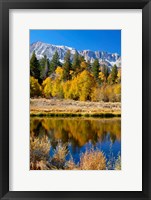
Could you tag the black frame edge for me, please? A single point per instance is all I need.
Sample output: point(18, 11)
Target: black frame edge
point(145, 99)
point(149, 110)
point(75, 4)
point(1, 99)
point(4, 100)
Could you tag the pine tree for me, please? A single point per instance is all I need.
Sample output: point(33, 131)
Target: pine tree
point(114, 73)
point(95, 68)
point(35, 67)
point(81, 58)
point(67, 66)
point(54, 63)
point(105, 71)
point(119, 76)
point(76, 61)
point(44, 65)
point(89, 66)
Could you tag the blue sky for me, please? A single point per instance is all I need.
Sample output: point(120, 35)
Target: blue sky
point(105, 40)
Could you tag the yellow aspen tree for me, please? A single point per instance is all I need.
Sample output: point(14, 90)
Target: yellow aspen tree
point(35, 88)
point(47, 87)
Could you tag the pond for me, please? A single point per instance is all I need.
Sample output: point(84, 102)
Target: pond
point(80, 134)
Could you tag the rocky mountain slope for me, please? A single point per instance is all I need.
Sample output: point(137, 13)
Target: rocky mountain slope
point(106, 58)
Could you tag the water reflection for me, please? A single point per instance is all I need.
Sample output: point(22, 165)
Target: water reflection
point(80, 133)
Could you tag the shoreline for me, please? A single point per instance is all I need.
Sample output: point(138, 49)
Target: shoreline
point(70, 108)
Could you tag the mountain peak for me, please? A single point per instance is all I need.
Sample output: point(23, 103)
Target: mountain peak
point(42, 49)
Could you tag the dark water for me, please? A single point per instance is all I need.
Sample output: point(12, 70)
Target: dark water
point(80, 134)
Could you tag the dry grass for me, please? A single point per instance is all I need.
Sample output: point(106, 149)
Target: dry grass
point(59, 158)
point(42, 144)
point(118, 163)
point(55, 106)
point(70, 165)
point(39, 153)
point(40, 158)
point(39, 165)
point(60, 152)
point(93, 160)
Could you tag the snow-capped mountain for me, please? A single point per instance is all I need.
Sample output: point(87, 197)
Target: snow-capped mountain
point(42, 49)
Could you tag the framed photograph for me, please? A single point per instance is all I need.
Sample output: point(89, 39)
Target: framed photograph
point(75, 99)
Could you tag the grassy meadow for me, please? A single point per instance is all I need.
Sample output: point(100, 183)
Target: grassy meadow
point(60, 107)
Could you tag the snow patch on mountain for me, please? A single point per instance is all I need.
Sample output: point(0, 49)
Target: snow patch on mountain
point(105, 58)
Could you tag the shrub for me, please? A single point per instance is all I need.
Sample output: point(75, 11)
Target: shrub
point(39, 153)
point(117, 92)
point(70, 165)
point(92, 160)
point(39, 165)
point(107, 93)
point(59, 157)
point(118, 163)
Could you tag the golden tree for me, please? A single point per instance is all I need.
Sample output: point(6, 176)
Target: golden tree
point(35, 88)
point(47, 87)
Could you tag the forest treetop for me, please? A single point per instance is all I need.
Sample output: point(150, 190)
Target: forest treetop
point(76, 79)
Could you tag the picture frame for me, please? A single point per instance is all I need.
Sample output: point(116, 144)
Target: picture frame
point(5, 101)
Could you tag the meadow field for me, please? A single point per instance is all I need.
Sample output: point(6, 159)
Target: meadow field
point(61, 107)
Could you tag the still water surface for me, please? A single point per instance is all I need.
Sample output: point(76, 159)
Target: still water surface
point(80, 134)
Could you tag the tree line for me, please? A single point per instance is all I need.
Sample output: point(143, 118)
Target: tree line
point(77, 79)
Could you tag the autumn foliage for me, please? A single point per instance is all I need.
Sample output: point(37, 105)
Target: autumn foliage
point(35, 88)
point(77, 80)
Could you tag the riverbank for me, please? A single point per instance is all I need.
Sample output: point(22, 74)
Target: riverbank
point(59, 107)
